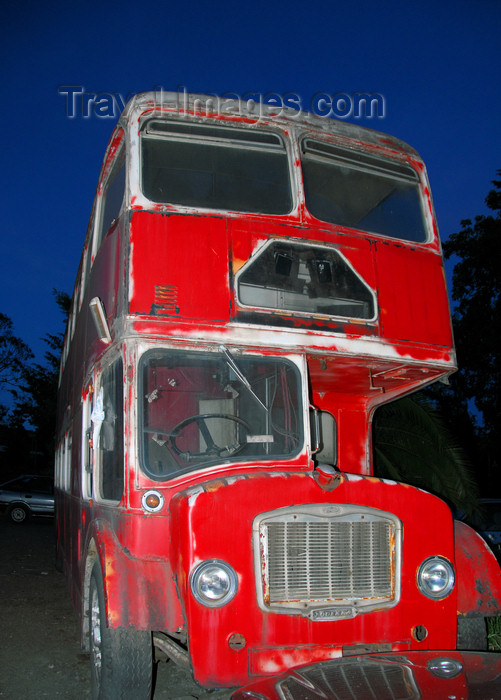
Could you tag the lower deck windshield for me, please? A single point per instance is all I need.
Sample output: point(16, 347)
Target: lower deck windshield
point(202, 409)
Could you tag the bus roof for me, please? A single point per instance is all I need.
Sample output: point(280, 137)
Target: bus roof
point(258, 113)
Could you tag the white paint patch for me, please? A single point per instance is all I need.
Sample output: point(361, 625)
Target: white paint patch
point(290, 338)
point(230, 480)
point(272, 667)
point(353, 477)
point(194, 493)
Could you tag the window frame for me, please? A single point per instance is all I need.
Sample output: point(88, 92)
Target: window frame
point(361, 161)
point(201, 354)
point(99, 467)
point(305, 314)
point(115, 164)
point(283, 148)
point(87, 454)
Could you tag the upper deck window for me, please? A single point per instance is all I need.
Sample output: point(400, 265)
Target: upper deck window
point(112, 198)
point(360, 191)
point(214, 167)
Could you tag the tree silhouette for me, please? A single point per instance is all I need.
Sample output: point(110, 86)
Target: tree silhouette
point(14, 354)
point(476, 291)
point(413, 445)
point(14, 357)
point(439, 438)
point(36, 395)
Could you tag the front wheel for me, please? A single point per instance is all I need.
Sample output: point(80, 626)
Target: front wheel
point(121, 659)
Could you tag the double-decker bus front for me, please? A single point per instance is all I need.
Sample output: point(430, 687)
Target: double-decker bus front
point(250, 292)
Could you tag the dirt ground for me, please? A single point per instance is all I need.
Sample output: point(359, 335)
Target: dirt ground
point(40, 655)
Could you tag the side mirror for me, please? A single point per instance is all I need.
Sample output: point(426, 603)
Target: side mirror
point(316, 435)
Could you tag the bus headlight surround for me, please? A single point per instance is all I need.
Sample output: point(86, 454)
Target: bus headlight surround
point(436, 578)
point(213, 583)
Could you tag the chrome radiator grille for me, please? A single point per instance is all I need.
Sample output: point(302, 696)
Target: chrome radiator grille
point(317, 556)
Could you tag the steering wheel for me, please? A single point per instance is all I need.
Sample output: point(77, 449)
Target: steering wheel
point(212, 449)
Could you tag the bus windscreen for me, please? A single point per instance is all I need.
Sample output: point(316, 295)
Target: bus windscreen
point(199, 409)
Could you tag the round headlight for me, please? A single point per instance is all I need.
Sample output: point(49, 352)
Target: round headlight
point(214, 583)
point(436, 577)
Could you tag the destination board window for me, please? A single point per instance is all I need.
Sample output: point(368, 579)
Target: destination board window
point(305, 279)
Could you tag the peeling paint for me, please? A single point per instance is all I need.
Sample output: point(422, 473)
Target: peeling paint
point(194, 494)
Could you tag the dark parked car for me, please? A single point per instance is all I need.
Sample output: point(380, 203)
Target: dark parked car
point(27, 495)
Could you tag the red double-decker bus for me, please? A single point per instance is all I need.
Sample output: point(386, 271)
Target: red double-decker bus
point(250, 291)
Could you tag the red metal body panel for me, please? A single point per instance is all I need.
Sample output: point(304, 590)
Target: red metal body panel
point(416, 278)
point(195, 273)
point(223, 532)
point(135, 561)
point(212, 245)
point(480, 567)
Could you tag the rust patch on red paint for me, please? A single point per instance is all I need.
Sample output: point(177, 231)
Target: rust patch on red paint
point(214, 486)
point(327, 482)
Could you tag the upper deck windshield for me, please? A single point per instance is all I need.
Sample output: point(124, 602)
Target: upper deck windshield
point(214, 167)
point(198, 410)
point(360, 191)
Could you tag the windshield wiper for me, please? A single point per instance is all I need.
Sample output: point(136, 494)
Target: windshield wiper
point(231, 362)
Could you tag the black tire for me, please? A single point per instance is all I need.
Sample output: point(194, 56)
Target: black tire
point(18, 513)
point(472, 634)
point(121, 659)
